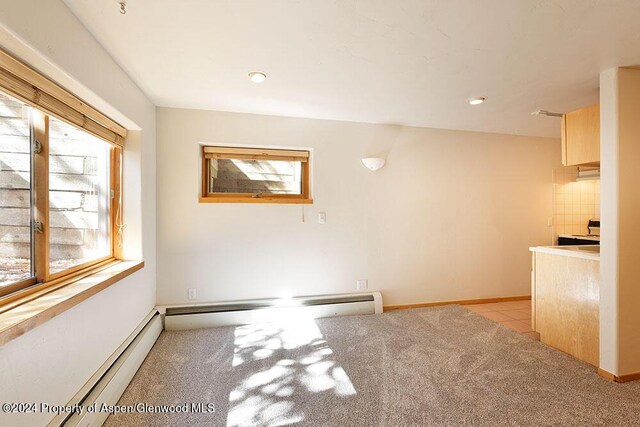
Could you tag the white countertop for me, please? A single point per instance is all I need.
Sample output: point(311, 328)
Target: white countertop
point(582, 251)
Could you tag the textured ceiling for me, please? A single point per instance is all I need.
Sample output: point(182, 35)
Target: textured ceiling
point(411, 62)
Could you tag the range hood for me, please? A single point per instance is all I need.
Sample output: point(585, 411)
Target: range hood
point(588, 174)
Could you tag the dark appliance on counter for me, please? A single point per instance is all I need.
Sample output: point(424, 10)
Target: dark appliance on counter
point(593, 238)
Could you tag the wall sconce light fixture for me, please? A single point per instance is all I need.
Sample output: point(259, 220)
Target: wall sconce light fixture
point(373, 163)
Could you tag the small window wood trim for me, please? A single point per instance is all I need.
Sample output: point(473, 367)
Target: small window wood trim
point(301, 156)
point(255, 154)
point(31, 87)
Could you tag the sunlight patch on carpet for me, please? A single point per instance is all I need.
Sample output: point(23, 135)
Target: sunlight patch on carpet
point(264, 397)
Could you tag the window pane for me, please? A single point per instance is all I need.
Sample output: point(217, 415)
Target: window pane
point(15, 191)
point(255, 176)
point(79, 196)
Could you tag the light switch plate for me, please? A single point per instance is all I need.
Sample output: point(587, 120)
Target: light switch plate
point(322, 218)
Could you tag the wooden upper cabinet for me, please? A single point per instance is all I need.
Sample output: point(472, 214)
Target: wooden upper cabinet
point(581, 137)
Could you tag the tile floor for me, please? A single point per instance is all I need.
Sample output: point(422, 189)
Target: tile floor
point(513, 314)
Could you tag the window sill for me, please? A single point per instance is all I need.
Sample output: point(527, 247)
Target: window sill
point(30, 312)
point(274, 200)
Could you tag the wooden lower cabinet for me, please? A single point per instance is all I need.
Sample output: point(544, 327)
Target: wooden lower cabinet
point(565, 304)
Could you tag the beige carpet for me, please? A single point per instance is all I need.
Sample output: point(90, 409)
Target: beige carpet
point(437, 366)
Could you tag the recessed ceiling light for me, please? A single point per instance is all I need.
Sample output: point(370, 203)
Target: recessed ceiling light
point(257, 76)
point(476, 100)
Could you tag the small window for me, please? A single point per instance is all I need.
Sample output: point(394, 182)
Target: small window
point(252, 175)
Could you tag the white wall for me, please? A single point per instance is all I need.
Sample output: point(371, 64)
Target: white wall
point(609, 213)
point(620, 270)
point(50, 363)
point(628, 227)
point(450, 217)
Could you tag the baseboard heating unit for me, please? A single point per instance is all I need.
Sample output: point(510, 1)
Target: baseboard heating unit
point(232, 313)
point(112, 378)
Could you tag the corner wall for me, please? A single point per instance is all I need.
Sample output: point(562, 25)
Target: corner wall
point(620, 270)
point(451, 216)
point(50, 363)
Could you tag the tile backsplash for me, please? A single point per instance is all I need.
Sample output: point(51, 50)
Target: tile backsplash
point(574, 203)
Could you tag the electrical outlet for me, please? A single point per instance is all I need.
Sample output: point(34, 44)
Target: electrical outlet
point(322, 218)
point(362, 284)
point(191, 294)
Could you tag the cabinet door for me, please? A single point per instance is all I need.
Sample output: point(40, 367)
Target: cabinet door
point(581, 136)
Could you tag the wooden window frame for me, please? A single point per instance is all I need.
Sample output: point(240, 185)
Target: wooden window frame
point(40, 202)
point(47, 99)
point(214, 152)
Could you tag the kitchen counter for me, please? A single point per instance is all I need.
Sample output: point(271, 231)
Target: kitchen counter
point(591, 252)
point(565, 299)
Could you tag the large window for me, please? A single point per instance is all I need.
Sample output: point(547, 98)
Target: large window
point(251, 175)
point(56, 197)
point(60, 174)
